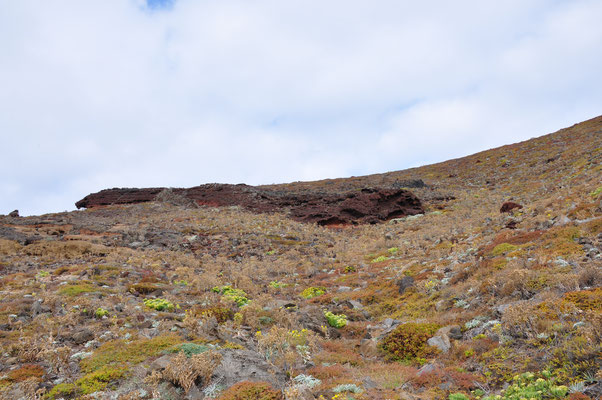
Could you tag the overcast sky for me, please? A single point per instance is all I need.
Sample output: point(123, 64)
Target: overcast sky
point(130, 93)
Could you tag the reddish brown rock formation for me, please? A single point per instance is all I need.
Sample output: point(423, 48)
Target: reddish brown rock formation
point(362, 206)
point(509, 206)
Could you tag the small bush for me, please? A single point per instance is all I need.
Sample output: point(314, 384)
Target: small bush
point(143, 288)
point(77, 289)
point(237, 296)
point(190, 349)
point(184, 371)
point(586, 299)
point(61, 390)
point(26, 372)
point(118, 352)
point(458, 396)
point(408, 341)
point(220, 312)
point(379, 259)
point(251, 391)
point(101, 312)
point(312, 292)
point(159, 304)
point(531, 386)
point(596, 192)
point(100, 379)
point(334, 320)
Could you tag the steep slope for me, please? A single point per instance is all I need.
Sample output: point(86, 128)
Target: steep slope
point(168, 300)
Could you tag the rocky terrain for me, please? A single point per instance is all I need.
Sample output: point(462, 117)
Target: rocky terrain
point(469, 279)
point(367, 205)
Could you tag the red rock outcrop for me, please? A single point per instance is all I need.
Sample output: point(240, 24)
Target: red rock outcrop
point(361, 206)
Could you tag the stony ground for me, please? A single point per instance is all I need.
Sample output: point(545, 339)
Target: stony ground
point(166, 300)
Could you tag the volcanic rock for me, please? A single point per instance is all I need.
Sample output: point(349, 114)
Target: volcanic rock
point(509, 206)
point(363, 206)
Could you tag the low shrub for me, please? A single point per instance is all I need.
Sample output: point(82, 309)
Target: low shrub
point(119, 352)
point(100, 312)
point(159, 304)
point(312, 292)
point(77, 289)
point(99, 379)
point(408, 341)
point(251, 391)
point(237, 296)
point(533, 387)
point(334, 320)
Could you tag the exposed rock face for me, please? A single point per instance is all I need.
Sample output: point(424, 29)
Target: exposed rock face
point(363, 206)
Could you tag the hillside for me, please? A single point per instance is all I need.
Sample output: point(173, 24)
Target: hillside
point(169, 299)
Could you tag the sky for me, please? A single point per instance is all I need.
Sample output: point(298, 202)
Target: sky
point(130, 93)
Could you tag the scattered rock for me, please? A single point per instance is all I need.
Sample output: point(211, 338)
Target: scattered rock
point(441, 342)
point(245, 365)
point(451, 331)
point(405, 283)
point(409, 183)
point(427, 368)
point(82, 336)
point(509, 206)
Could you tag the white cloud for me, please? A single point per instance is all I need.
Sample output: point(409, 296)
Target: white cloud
point(109, 93)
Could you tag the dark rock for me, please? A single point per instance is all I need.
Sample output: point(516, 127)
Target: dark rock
point(244, 365)
point(82, 336)
point(14, 213)
point(364, 206)
point(509, 206)
point(405, 283)
point(455, 332)
point(441, 342)
point(312, 318)
point(409, 183)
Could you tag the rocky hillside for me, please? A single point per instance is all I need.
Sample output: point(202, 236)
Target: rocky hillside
point(488, 284)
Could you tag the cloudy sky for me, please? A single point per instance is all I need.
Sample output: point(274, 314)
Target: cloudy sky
point(130, 93)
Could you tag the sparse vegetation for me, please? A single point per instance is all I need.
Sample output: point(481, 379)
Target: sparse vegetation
point(151, 300)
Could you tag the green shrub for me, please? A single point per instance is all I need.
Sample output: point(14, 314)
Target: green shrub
point(408, 341)
point(77, 289)
point(220, 312)
point(189, 349)
point(62, 390)
point(312, 292)
point(159, 304)
point(457, 396)
point(334, 320)
point(237, 296)
point(101, 312)
point(532, 386)
point(100, 379)
point(119, 353)
point(596, 192)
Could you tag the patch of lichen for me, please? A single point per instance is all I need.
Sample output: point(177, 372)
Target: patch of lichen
point(120, 352)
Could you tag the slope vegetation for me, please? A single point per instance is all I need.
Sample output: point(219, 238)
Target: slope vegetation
point(171, 300)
